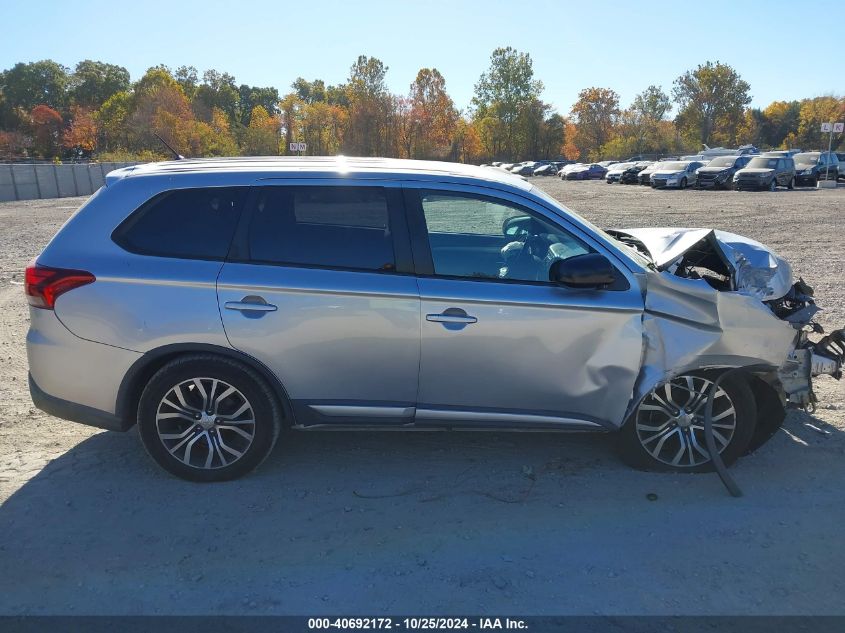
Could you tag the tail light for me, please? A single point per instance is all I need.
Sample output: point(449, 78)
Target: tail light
point(44, 284)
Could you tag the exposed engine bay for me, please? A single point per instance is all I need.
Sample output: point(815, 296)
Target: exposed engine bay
point(731, 263)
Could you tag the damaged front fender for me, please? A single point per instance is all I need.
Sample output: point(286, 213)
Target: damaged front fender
point(688, 326)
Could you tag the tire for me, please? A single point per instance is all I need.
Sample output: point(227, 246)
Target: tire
point(683, 184)
point(773, 185)
point(235, 445)
point(638, 432)
point(791, 184)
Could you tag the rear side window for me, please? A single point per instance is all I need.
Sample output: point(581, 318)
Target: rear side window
point(332, 227)
point(184, 223)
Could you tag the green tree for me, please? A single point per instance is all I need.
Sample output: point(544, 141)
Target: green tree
point(25, 86)
point(112, 122)
point(711, 101)
point(501, 93)
point(251, 96)
point(217, 90)
point(94, 82)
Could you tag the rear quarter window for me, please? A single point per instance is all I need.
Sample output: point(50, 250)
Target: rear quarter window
point(195, 223)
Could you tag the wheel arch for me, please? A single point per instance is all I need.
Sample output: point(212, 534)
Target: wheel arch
point(139, 374)
point(766, 397)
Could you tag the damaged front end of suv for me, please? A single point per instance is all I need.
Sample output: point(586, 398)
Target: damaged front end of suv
point(727, 300)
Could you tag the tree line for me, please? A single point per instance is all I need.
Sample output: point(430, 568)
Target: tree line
point(51, 112)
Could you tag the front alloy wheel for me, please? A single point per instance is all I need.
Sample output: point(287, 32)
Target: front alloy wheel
point(666, 431)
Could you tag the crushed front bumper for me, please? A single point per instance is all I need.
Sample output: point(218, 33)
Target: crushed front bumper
point(808, 360)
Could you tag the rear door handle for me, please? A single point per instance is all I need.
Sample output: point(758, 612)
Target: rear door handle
point(451, 315)
point(250, 304)
point(450, 318)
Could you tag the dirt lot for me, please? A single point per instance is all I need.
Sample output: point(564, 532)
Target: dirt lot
point(434, 523)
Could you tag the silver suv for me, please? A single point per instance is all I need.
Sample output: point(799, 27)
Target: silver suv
point(216, 303)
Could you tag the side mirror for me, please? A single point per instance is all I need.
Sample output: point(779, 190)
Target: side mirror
point(591, 270)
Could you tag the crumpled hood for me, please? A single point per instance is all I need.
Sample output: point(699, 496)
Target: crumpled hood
point(756, 270)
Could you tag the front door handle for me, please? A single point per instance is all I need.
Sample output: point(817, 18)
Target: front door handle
point(451, 315)
point(250, 304)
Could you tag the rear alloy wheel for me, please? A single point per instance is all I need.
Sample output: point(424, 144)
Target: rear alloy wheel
point(791, 185)
point(683, 184)
point(666, 432)
point(773, 185)
point(208, 418)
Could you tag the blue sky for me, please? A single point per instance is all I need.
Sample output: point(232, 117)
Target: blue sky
point(620, 45)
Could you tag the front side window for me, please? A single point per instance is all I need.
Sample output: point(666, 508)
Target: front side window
point(333, 227)
point(477, 237)
point(184, 223)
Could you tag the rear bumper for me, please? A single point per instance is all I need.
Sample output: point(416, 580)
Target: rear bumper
point(74, 378)
point(76, 412)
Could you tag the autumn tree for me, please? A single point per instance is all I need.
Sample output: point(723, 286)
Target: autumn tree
point(711, 102)
point(92, 83)
point(159, 106)
point(501, 94)
point(777, 120)
point(46, 126)
point(261, 137)
point(595, 114)
point(322, 126)
point(81, 134)
point(432, 115)
point(369, 132)
point(813, 113)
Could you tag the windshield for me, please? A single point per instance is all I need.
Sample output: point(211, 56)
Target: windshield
point(724, 161)
point(630, 251)
point(621, 166)
point(672, 166)
point(763, 163)
point(806, 159)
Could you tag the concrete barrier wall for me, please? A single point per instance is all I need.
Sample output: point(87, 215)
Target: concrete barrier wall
point(25, 181)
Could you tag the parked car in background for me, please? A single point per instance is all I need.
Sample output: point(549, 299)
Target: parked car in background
point(593, 171)
point(631, 175)
point(615, 171)
point(567, 168)
point(719, 172)
point(547, 169)
point(768, 171)
point(644, 177)
point(524, 169)
point(678, 174)
point(786, 153)
point(506, 166)
point(841, 157)
point(607, 163)
point(810, 167)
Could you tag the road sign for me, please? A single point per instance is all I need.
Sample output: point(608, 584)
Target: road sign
point(826, 127)
point(298, 147)
point(838, 128)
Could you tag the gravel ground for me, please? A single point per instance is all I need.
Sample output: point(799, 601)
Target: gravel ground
point(432, 523)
